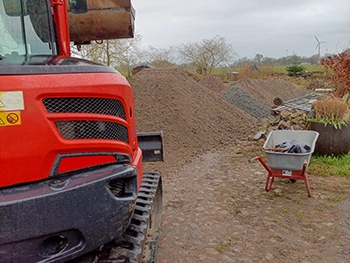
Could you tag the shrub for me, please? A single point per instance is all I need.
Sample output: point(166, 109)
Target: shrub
point(340, 65)
point(331, 110)
point(295, 70)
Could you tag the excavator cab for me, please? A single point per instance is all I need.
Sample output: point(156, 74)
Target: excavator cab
point(27, 28)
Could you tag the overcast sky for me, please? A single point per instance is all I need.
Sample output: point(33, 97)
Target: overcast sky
point(273, 28)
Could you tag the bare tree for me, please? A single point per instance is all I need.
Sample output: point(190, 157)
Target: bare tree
point(118, 53)
point(160, 58)
point(207, 54)
point(258, 59)
point(128, 53)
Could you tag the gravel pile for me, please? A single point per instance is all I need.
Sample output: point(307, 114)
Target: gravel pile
point(266, 90)
point(243, 100)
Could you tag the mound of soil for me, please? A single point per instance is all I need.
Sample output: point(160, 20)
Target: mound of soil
point(213, 84)
point(194, 119)
point(266, 90)
point(243, 100)
point(196, 76)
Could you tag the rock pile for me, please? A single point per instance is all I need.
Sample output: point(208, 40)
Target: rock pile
point(256, 96)
point(245, 101)
point(289, 119)
point(266, 90)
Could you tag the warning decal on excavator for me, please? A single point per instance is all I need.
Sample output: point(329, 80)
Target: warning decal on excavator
point(10, 118)
point(11, 101)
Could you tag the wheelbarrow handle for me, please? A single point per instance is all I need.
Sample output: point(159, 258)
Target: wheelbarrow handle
point(258, 158)
point(275, 149)
point(251, 160)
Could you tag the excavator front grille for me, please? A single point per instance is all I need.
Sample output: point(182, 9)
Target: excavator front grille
point(92, 130)
point(85, 105)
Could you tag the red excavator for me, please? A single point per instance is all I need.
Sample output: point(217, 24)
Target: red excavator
point(72, 184)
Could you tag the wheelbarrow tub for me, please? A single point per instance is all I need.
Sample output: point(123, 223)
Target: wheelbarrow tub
point(289, 161)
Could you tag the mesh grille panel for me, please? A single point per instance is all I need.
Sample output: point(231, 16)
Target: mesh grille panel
point(117, 187)
point(85, 105)
point(92, 130)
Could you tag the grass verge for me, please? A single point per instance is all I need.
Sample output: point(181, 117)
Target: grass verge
point(330, 165)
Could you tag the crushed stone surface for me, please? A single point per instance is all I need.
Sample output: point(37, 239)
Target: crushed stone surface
point(243, 100)
point(266, 90)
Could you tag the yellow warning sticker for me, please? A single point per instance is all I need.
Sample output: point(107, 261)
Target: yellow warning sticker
point(11, 101)
point(10, 118)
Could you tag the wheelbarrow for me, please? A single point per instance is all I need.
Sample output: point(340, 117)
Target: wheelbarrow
point(282, 164)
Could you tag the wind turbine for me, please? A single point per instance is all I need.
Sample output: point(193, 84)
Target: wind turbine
point(319, 48)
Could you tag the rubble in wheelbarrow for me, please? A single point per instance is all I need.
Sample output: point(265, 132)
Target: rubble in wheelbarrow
point(293, 147)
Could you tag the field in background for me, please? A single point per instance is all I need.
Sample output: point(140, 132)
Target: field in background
point(265, 72)
point(315, 76)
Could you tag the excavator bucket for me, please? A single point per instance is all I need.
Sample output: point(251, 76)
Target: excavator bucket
point(104, 19)
point(151, 144)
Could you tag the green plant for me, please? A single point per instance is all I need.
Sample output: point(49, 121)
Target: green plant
point(295, 70)
point(330, 110)
point(336, 124)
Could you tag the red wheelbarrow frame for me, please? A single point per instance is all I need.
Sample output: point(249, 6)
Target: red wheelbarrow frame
point(296, 175)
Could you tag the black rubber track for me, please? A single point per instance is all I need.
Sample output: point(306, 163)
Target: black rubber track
point(139, 243)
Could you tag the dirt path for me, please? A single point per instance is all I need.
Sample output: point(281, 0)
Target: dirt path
point(216, 210)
